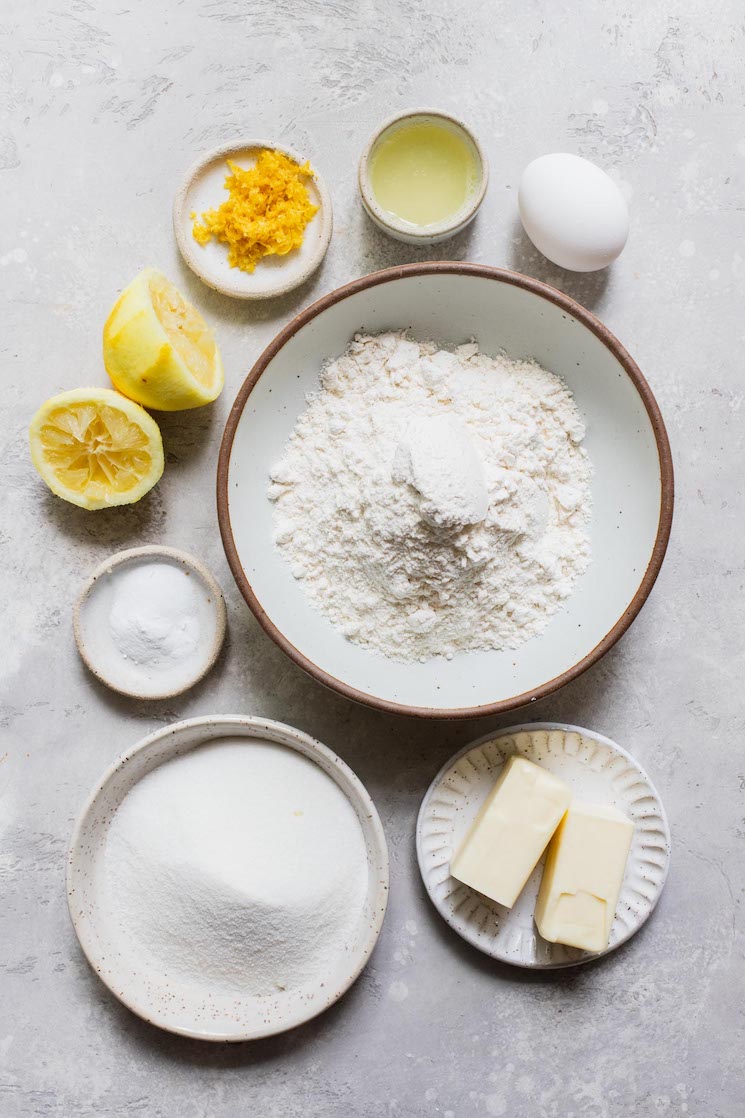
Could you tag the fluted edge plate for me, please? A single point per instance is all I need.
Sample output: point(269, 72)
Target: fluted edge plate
point(598, 770)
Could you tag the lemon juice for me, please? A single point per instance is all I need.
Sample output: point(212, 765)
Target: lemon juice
point(423, 172)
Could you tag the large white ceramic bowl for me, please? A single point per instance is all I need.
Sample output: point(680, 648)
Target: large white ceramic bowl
point(626, 439)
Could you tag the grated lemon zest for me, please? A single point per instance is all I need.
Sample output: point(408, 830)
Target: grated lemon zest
point(265, 214)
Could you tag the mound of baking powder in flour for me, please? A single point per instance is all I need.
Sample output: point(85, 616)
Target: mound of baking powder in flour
point(239, 868)
point(433, 501)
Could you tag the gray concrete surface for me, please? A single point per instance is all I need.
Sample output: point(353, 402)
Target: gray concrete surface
point(103, 107)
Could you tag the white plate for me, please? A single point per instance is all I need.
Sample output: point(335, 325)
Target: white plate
point(632, 487)
point(203, 189)
point(182, 1009)
point(598, 770)
point(98, 650)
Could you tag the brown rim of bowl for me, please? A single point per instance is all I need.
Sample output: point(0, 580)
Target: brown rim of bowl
point(559, 299)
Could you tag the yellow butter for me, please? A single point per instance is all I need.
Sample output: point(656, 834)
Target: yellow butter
point(583, 875)
point(511, 831)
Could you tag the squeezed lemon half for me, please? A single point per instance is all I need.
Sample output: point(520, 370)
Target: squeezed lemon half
point(96, 448)
point(157, 348)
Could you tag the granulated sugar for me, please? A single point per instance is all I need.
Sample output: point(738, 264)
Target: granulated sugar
point(432, 502)
point(239, 868)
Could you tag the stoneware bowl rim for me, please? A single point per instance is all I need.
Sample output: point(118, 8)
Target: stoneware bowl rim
point(388, 221)
point(564, 303)
point(156, 551)
point(330, 763)
point(190, 250)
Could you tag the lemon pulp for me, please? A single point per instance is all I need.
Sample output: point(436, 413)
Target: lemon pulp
point(95, 448)
point(186, 329)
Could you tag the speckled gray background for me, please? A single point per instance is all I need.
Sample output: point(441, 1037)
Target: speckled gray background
point(103, 106)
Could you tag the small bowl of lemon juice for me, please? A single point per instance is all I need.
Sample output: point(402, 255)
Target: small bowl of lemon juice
point(423, 176)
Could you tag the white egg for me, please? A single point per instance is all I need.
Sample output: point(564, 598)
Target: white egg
point(573, 212)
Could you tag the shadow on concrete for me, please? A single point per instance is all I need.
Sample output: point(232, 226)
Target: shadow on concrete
point(588, 288)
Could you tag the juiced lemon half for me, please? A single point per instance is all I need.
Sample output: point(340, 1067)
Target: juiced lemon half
point(96, 448)
point(157, 348)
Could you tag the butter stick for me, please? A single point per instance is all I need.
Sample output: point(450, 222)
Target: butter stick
point(511, 831)
point(583, 875)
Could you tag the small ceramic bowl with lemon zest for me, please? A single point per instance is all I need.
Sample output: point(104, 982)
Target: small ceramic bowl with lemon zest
point(203, 193)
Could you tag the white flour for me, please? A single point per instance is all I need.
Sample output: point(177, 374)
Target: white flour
point(434, 502)
point(237, 868)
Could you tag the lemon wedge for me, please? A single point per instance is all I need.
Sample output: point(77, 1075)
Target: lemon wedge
point(96, 448)
point(157, 348)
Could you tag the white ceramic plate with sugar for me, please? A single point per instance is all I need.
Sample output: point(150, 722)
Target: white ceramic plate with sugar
point(203, 189)
point(632, 484)
point(597, 770)
point(184, 1007)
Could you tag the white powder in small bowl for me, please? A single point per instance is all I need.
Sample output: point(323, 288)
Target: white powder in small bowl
point(150, 623)
point(155, 614)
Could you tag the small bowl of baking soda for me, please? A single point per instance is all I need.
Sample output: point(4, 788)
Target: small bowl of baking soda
point(150, 622)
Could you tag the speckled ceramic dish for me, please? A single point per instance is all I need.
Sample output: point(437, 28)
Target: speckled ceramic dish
point(185, 1009)
point(203, 189)
point(405, 230)
point(632, 485)
point(94, 638)
point(597, 770)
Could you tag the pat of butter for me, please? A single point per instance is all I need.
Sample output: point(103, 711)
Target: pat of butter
point(583, 875)
point(511, 831)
